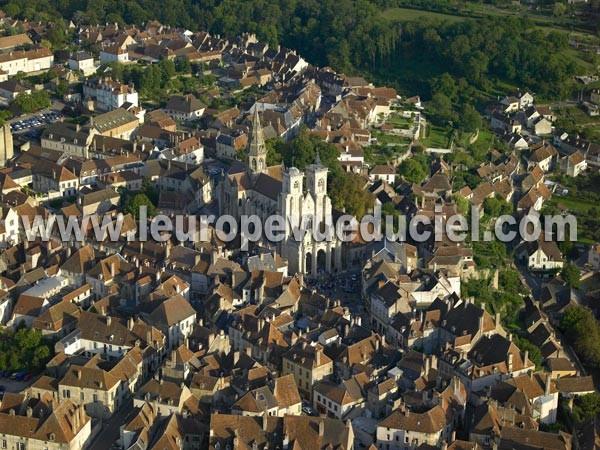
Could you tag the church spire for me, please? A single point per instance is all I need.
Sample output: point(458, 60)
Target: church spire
point(317, 158)
point(257, 138)
point(256, 157)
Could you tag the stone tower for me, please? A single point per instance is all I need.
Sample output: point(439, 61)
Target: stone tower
point(256, 158)
point(6, 144)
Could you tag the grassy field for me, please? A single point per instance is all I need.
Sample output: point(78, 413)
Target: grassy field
point(579, 208)
point(574, 204)
point(437, 137)
point(577, 116)
point(403, 14)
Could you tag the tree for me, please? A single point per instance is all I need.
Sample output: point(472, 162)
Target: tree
point(61, 88)
point(412, 171)
point(469, 119)
point(586, 407)
point(582, 331)
point(12, 10)
point(497, 207)
point(559, 9)
point(441, 108)
point(535, 354)
point(23, 349)
point(27, 103)
point(139, 200)
point(183, 65)
point(347, 193)
point(57, 35)
point(462, 204)
point(571, 275)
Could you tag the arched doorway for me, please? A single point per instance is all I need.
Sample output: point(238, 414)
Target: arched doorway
point(308, 263)
point(321, 260)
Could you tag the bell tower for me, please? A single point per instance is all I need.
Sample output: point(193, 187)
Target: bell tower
point(256, 158)
point(316, 185)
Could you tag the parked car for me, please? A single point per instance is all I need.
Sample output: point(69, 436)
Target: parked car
point(308, 410)
point(18, 376)
point(28, 377)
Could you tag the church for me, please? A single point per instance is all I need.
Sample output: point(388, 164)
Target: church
point(255, 188)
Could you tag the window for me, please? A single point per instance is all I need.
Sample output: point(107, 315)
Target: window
point(3, 443)
point(21, 446)
point(95, 398)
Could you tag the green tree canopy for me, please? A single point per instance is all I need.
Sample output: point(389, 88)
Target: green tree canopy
point(571, 275)
point(582, 330)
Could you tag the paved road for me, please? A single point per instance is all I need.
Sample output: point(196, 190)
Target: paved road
point(534, 283)
point(14, 385)
point(111, 428)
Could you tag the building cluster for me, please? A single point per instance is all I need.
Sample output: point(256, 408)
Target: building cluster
point(305, 344)
point(522, 124)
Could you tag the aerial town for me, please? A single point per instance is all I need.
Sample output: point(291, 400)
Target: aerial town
point(206, 343)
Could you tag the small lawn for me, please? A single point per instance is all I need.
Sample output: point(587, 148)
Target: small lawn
point(399, 122)
point(437, 137)
point(390, 139)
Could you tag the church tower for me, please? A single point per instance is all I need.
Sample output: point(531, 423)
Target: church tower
point(291, 195)
point(256, 159)
point(316, 185)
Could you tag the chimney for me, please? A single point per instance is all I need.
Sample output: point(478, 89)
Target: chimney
point(547, 387)
point(321, 427)
point(108, 320)
point(509, 362)
point(78, 372)
point(130, 323)
point(29, 411)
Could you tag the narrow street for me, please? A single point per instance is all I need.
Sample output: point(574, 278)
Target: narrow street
point(111, 428)
point(534, 283)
